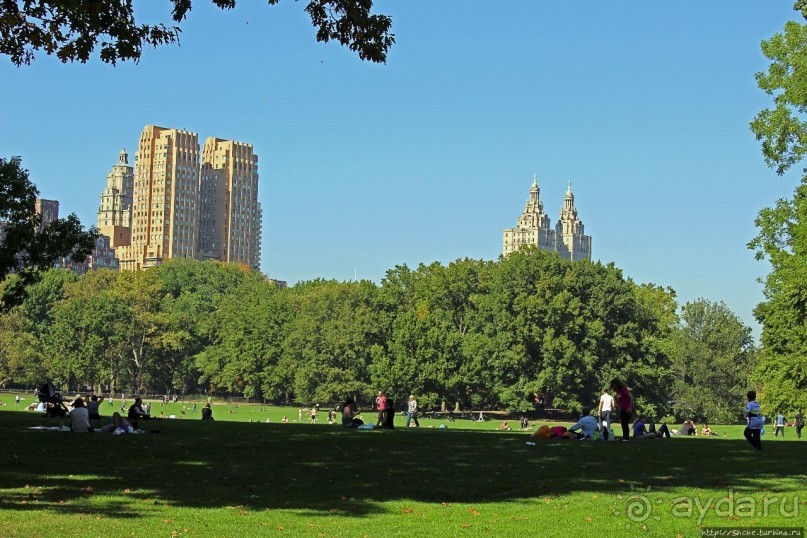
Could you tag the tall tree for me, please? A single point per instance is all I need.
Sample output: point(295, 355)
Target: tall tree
point(246, 355)
point(20, 351)
point(26, 247)
point(193, 291)
point(782, 237)
point(713, 363)
point(73, 30)
point(86, 336)
point(332, 339)
point(142, 326)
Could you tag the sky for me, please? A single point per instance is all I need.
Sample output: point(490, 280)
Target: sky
point(643, 106)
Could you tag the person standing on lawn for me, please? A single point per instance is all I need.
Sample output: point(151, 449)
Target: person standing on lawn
point(626, 405)
point(799, 423)
point(381, 407)
point(779, 425)
point(604, 411)
point(753, 415)
point(412, 411)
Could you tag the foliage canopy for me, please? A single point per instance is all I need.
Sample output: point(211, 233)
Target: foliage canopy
point(74, 30)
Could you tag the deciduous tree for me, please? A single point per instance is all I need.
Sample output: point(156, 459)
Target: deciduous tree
point(26, 247)
point(782, 237)
point(713, 363)
point(74, 30)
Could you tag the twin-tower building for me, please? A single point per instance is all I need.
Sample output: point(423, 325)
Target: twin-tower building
point(178, 202)
point(567, 238)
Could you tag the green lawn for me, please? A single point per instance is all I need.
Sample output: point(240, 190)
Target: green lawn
point(233, 478)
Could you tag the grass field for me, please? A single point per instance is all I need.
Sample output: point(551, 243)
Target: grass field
point(234, 478)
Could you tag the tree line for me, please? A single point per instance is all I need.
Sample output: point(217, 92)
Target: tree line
point(481, 334)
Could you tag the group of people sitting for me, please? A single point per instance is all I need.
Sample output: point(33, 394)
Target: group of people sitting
point(82, 413)
point(688, 428)
point(588, 427)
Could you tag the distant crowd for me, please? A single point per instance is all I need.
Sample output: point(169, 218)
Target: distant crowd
point(615, 404)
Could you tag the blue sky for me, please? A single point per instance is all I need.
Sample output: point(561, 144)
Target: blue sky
point(643, 106)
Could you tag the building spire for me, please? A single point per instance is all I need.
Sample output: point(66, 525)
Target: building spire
point(123, 157)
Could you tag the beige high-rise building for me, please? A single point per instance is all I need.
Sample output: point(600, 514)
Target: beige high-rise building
point(567, 239)
point(229, 212)
point(115, 211)
point(164, 198)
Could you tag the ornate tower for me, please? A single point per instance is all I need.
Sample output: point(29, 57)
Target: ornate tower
point(115, 211)
point(571, 241)
point(533, 227)
point(567, 239)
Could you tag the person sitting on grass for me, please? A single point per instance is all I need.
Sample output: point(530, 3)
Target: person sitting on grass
point(389, 416)
point(706, 431)
point(688, 428)
point(136, 413)
point(586, 425)
point(644, 429)
point(80, 418)
point(207, 412)
point(118, 423)
point(349, 412)
point(504, 426)
point(284, 420)
point(92, 407)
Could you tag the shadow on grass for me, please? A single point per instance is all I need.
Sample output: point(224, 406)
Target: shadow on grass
point(326, 470)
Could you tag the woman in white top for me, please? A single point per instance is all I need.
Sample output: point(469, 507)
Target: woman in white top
point(80, 418)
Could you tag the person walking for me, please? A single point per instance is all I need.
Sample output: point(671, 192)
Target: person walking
point(779, 425)
point(604, 411)
point(799, 423)
point(753, 415)
point(17, 400)
point(626, 405)
point(412, 411)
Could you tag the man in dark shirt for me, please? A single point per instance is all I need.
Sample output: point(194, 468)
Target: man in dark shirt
point(136, 412)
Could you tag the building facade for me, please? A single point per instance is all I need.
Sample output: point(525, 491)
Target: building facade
point(567, 239)
point(48, 210)
point(164, 198)
point(229, 212)
point(115, 211)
